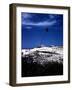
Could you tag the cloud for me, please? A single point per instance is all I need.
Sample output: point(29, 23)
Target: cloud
point(28, 27)
point(29, 19)
point(26, 16)
point(52, 16)
point(44, 23)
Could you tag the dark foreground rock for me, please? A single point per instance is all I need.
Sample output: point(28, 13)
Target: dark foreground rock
point(42, 65)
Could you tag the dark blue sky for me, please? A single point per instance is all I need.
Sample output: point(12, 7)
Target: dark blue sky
point(45, 29)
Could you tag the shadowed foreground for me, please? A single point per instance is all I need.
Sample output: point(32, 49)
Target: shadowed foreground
point(30, 68)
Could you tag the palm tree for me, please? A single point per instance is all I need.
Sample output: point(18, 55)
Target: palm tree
point(44, 34)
